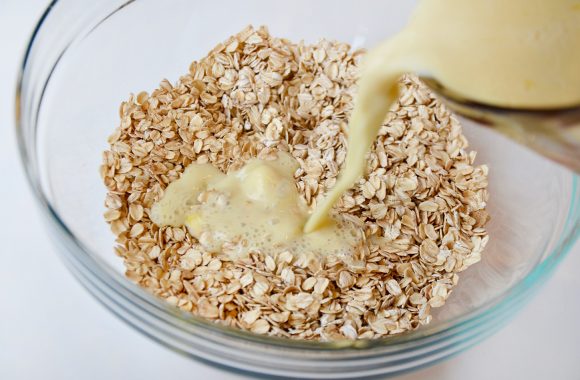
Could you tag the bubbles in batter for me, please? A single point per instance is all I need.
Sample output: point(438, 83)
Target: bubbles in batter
point(257, 208)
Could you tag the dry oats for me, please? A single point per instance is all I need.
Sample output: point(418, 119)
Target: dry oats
point(421, 204)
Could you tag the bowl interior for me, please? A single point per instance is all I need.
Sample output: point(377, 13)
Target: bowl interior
point(146, 41)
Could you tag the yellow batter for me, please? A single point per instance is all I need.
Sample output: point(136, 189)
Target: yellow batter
point(510, 53)
point(257, 208)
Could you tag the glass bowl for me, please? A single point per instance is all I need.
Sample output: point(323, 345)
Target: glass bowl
point(86, 57)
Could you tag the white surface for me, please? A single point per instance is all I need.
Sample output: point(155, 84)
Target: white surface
point(50, 327)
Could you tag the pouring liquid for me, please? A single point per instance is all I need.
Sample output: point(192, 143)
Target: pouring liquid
point(517, 54)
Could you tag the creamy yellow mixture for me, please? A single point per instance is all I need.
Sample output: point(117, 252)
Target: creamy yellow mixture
point(255, 208)
point(511, 53)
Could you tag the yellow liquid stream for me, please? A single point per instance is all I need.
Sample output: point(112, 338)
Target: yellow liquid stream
point(509, 53)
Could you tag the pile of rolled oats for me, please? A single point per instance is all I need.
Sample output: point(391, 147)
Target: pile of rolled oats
point(421, 203)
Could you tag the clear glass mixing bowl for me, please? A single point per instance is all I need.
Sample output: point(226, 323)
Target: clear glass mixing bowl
point(86, 57)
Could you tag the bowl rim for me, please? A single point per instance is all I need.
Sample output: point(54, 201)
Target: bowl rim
point(118, 283)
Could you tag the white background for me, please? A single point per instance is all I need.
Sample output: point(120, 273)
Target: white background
point(51, 328)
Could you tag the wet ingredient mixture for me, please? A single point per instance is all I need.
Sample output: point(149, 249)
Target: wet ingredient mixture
point(254, 209)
